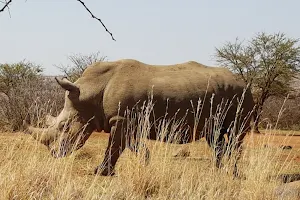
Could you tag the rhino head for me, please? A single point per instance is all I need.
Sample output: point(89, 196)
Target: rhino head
point(71, 128)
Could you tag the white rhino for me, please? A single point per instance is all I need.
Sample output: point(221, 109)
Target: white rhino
point(100, 97)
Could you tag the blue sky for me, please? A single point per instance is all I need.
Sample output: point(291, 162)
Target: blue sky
point(155, 32)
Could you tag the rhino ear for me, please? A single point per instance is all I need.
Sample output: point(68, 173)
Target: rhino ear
point(67, 85)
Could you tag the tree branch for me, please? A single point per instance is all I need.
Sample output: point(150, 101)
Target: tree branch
point(93, 16)
point(5, 5)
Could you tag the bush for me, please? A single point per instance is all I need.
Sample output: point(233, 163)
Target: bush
point(22, 90)
point(290, 117)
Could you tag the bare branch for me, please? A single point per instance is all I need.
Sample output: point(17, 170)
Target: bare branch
point(5, 5)
point(93, 16)
point(8, 11)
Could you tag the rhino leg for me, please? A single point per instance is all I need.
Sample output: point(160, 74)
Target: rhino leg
point(116, 146)
point(238, 148)
point(235, 141)
point(217, 143)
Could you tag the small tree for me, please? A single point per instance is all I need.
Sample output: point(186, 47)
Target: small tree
point(79, 64)
point(13, 75)
point(268, 63)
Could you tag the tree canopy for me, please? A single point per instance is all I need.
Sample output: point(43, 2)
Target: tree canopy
point(268, 63)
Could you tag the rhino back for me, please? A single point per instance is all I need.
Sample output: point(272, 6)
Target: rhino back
point(133, 81)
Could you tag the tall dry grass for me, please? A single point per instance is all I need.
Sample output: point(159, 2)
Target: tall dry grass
point(27, 171)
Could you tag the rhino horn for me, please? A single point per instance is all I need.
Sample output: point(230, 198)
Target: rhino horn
point(66, 84)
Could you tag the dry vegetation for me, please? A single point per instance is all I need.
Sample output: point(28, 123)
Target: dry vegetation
point(290, 119)
point(27, 171)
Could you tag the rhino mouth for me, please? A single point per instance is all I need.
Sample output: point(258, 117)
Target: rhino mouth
point(65, 147)
point(63, 150)
point(59, 143)
point(59, 154)
point(45, 135)
point(48, 137)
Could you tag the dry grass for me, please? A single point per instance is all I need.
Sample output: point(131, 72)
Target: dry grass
point(282, 132)
point(27, 171)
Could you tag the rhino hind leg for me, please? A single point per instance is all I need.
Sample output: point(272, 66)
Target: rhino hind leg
point(235, 141)
point(217, 143)
point(116, 146)
point(238, 148)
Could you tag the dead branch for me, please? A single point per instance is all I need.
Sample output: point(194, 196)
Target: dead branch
point(5, 5)
point(93, 16)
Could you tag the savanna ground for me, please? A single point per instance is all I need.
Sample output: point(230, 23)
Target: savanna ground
point(27, 171)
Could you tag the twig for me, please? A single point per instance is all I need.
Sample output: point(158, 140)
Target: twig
point(6, 5)
point(8, 10)
point(93, 16)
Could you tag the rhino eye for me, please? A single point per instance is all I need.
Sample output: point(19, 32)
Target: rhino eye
point(61, 125)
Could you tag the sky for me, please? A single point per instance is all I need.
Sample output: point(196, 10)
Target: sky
point(46, 32)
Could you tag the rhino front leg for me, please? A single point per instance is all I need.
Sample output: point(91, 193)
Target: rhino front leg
point(217, 143)
point(238, 148)
point(116, 146)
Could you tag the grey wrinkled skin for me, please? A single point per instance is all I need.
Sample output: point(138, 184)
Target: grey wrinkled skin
point(100, 97)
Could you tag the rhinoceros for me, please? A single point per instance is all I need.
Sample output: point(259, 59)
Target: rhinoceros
point(100, 98)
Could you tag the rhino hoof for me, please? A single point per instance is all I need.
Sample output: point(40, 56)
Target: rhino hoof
point(285, 147)
point(104, 171)
point(183, 153)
